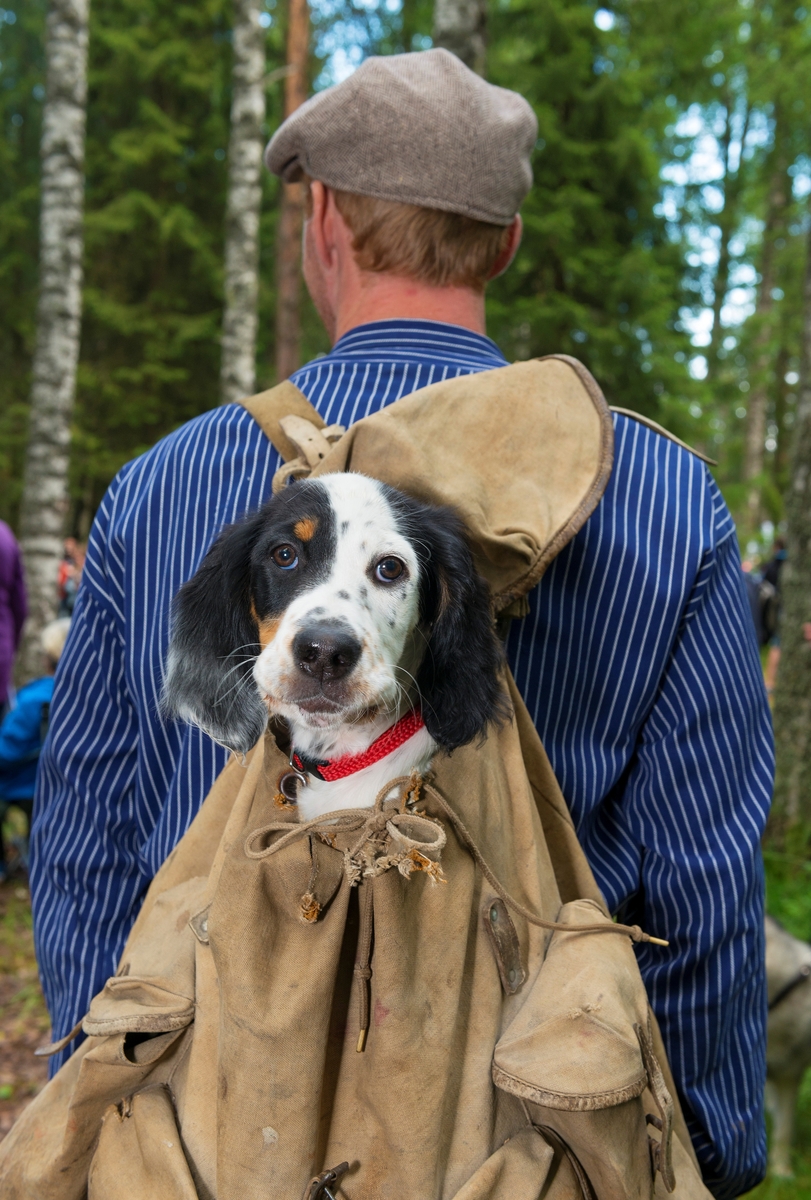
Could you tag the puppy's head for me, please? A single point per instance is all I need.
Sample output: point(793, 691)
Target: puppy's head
point(336, 606)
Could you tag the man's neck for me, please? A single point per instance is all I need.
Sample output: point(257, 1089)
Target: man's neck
point(389, 297)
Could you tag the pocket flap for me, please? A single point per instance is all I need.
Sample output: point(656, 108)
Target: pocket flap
point(153, 991)
point(573, 1044)
point(131, 1005)
point(575, 1064)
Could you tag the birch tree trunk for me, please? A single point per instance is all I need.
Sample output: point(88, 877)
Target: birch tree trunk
point(461, 27)
point(291, 215)
point(792, 710)
point(59, 311)
point(240, 318)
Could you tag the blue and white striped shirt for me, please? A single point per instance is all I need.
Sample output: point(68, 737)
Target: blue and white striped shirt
point(637, 662)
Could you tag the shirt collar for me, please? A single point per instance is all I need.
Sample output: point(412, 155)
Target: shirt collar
point(413, 338)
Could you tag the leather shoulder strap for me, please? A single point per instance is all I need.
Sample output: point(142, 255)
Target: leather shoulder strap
point(671, 437)
point(268, 408)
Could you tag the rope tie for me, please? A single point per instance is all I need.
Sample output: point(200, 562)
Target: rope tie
point(362, 859)
point(391, 835)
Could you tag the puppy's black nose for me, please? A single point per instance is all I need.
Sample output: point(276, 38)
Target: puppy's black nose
point(326, 651)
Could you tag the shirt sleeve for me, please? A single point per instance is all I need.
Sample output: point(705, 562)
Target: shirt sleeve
point(691, 809)
point(86, 872)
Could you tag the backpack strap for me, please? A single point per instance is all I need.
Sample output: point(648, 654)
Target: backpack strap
point(292, 425)
point(270, 407)
point(671, 437)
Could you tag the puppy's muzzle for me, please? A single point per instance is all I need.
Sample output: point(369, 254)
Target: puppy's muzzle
point(326, 652)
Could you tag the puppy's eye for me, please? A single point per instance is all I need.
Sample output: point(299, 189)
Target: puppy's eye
point(285, 557)
point(389, 569)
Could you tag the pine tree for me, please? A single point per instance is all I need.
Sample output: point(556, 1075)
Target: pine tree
point(598, 274)
point(22, 91)
point(45, 489)
point(240, 318)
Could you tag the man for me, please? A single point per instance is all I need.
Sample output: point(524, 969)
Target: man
point(635, 660)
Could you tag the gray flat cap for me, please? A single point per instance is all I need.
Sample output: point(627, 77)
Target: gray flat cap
point(419, 128)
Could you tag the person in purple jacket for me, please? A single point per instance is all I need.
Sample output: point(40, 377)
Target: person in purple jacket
point(13, 607)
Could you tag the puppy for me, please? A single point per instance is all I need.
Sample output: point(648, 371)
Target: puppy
point(354, 613)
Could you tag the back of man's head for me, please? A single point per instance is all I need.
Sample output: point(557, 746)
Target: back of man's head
point(428, 163)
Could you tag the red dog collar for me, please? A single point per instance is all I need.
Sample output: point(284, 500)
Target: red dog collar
point(339, 768)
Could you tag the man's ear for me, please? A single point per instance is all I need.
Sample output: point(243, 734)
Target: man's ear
point(459, 679)
point(509, 250)
point(214, 644)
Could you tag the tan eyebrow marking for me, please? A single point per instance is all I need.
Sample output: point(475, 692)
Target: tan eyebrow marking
point(267, 631)
point(267, 628)
point(305, 528)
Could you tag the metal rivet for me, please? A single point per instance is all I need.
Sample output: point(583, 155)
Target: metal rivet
point(513, 975)
point(204, 925)
point(494, 914)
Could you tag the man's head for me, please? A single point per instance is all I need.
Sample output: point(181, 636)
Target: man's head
point(415, 169)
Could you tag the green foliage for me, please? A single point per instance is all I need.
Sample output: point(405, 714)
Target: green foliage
point(798, 1188)
point(788, 883)
point(617, 228)
point(157, 134)
point(22, 79)
point(739, 68)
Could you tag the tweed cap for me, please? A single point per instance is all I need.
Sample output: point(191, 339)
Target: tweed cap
point(418, 128)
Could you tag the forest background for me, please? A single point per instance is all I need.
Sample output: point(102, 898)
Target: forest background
point(665, 234)
point(666, 246)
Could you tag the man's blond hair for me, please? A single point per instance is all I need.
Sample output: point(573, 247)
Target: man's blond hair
point(441, 249)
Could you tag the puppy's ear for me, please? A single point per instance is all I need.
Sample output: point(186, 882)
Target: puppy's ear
point(459, 677)
point(214, 644)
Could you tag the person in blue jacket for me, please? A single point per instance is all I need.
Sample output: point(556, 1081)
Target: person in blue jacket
point(22, 734)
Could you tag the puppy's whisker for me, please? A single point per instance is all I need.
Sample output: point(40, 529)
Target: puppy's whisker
point(239, 666)
point(252, 646)
point(246, 681)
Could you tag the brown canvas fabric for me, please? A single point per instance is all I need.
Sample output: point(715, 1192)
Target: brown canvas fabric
point(464, 1089)
point(501, 1060)
point(523, 452)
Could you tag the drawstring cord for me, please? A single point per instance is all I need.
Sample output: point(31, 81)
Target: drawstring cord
point(363, 967)
point(416, 840)
point(379, 820)
point(634, 932)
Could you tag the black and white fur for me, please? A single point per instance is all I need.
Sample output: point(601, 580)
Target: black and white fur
point(336, 607)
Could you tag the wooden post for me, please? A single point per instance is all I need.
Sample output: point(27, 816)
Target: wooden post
point(291, 215)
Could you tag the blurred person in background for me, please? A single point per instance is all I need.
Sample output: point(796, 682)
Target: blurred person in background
point(13, 608)
point(70, 576)
point(752, 579)
point(22, 735)
point(771, 575)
